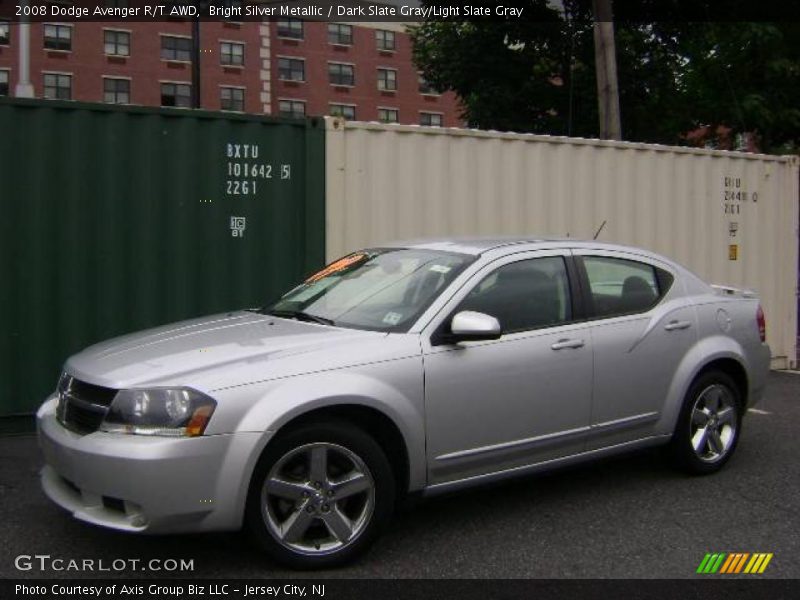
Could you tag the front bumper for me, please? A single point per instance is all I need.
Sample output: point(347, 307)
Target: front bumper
point(147, 484)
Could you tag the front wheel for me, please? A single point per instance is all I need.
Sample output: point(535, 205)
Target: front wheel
point(319, 495)
point(709, 425)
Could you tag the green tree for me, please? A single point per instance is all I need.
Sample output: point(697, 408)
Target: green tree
point(538, 75)
point(506, 72)
point(745, 77)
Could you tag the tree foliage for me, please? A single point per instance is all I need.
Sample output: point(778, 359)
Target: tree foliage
point(538, 75)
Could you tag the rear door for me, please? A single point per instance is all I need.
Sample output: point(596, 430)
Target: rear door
point(642, 327)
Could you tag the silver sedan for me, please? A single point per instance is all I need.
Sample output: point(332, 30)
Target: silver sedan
point(405, 369)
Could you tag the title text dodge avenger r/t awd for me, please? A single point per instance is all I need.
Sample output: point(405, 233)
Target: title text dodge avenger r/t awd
point(422, 367)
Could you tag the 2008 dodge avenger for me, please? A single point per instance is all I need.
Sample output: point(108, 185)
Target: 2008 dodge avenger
point(409, 368)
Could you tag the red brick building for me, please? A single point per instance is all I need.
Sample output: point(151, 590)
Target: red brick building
point(364, 71)
point(290, 67)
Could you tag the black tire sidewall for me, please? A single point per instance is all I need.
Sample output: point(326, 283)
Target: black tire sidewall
point(335, 432)
point(681, 445)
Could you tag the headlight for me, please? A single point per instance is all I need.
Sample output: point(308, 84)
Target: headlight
point(160, 411)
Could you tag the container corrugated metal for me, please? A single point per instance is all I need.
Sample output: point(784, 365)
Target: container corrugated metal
point(117, 219)
point(731, 217)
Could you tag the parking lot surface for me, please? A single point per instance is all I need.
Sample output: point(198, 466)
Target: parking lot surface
point(632, 516)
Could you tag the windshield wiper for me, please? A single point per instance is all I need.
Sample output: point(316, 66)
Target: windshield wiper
point(300, 316)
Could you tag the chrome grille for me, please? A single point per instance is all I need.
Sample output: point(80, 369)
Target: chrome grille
point(82, 406)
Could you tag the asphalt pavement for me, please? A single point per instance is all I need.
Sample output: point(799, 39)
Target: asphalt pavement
point(627, 517)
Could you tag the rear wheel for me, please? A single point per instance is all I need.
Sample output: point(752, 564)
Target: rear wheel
point(709, 425)
point(319, 495)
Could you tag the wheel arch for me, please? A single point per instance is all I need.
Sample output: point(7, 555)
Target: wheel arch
point(369, 419)
point(715, 353)
point(734, 369)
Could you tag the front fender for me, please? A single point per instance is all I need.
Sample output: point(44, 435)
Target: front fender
point(394, 388)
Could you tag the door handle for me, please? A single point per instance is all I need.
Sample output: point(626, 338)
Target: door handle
point(564, 344)
point(674, 325)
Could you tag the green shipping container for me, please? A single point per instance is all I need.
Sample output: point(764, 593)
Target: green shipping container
point(118, 219)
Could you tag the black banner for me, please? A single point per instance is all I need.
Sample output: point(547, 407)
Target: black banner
point(406, 11)
point(397, 589)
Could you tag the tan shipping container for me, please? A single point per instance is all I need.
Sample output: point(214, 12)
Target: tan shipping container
point(731, 217)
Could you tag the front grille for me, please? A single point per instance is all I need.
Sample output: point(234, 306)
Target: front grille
point(82, 406)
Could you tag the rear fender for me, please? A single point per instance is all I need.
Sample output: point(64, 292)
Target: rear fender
point(699, 356)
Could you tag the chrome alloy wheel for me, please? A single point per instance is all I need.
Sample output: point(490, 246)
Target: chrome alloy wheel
point(714, 423)
point(318, 498)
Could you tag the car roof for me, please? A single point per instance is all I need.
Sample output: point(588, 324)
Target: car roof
point(480, 245)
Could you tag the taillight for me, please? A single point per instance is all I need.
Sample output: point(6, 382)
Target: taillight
point(762, 324)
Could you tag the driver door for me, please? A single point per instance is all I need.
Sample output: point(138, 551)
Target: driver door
point(518, 400)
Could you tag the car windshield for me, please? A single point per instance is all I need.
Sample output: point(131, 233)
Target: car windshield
point(379, 289)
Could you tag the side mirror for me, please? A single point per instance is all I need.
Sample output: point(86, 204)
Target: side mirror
point(470, 326)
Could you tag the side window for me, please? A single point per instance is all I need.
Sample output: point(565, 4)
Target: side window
point(621, 287)
point(528, 294)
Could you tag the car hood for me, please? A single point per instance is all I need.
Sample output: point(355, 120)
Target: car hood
point(206, 348)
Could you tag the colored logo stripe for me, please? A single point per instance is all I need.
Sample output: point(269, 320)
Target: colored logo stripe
point(758, 563)
point(721, 562)
point(711, 563)
point(735, 562)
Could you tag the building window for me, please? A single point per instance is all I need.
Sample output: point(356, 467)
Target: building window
point(291, 69)
point(4, 83)
point(385, 40)
point(117, 43)
point(294, 109)
point(341, 74)
point(426, 88)
point(388, 115)
point(176, 94)
point(57, 86)
point(290, 28)
point(231, 53)
point(231, 98)
point(176, 48)
point(347, 111)
point(116, 91)
point(5, 33)
point(57, 37)
point(341, 35)
point(387, 79)
point(430, 119)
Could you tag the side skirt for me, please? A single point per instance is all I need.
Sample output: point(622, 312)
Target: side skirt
point(548, 465)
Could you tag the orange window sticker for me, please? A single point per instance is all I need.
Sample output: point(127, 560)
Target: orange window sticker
point(339, 265)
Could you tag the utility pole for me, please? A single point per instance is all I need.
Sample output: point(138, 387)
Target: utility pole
point(606, 66)
point(24, 87)
point(196, 62)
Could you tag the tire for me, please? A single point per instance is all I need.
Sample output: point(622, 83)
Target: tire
point(319, 495)
point(709, 425)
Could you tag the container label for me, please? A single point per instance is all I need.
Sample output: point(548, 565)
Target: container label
point(245, 172)
point(238, 225)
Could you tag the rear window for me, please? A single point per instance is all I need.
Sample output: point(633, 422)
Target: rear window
point(622, 287)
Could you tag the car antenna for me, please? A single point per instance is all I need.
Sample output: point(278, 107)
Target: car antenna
point(603, 224)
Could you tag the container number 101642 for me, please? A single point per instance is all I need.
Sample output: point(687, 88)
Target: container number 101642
point(244, 174)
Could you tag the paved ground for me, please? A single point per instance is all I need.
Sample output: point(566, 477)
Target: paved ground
point(627, 517)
